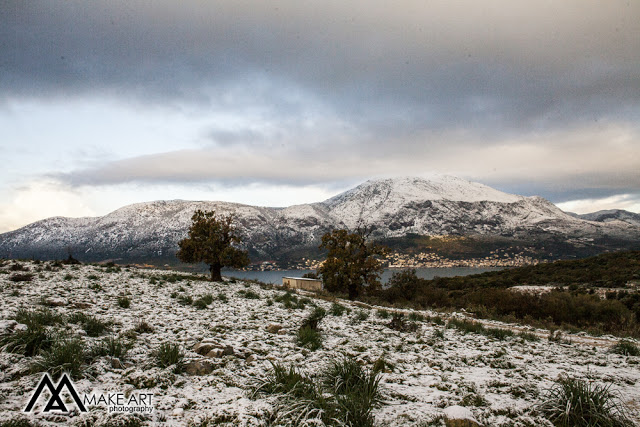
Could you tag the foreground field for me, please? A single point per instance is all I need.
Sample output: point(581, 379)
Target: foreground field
point(232, 333)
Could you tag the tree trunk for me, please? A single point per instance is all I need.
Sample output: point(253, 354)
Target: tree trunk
point(215, 272)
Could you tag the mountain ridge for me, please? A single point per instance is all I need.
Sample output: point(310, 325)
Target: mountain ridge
point(390, 208)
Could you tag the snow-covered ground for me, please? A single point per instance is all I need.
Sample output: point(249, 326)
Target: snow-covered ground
point(500, 381)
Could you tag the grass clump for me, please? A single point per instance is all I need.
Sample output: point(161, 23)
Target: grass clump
point(37, 318)
point(309, 338)
point(290, 300)
point(249, 294)
point(308, 335)
point(21, 277)
point(625, 348)
point(185, 299)
point(169, 354)
point(528, 336)
point(345, 395)
point(578, 403)
point(27, 342)
point(65, 355)
point(202, 302)
point(124, 302)
point(92, 325)
point(283, 380)
point(36, 337)
point(113, 347)
point(361, 315)
point(466, 326)
point(18, 422)
point(337, 309)
point(142, 327)
point(498, 333)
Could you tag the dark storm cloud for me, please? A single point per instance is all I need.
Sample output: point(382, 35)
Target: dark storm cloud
point(423, 64)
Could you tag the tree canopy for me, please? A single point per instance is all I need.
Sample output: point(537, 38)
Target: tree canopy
point(352, 263)
point(210, 240)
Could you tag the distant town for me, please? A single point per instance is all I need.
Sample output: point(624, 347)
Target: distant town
point(510, 257)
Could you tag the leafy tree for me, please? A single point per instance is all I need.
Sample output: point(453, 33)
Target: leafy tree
point(352, 263)
point(210, 241)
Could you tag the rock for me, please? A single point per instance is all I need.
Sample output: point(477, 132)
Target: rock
point(282, 332)
point(199, 367)
point(251, 358)
point(116, 363)
point(20, 327)
point(82, 305)
point(227, 351)
point(274, 328)
point(459, 416)
point(216, 352)
point(203, 348)
point(7, 325)
point(178, 412)
point(55, 302)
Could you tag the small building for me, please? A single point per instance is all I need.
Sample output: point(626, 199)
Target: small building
point(302, 283)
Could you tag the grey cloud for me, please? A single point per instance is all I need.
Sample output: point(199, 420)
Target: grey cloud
point(588, 163)
point(493, 64)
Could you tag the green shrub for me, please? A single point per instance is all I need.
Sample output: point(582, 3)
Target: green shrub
point(168, 354)
point(625, 348)
point(124, 302)
point(65, 355)
point(222, 297)
point(573, 402)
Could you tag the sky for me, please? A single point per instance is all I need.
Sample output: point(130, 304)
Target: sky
point(275, 103)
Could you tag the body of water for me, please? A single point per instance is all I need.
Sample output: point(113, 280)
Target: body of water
point(425, 273)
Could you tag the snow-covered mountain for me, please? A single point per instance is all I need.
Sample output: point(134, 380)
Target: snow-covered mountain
point(440, 205)
point(612, 215)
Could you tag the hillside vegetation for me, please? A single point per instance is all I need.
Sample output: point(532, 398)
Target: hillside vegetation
point(573, 303)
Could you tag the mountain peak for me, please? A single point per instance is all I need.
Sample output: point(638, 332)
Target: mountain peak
point(433, 187)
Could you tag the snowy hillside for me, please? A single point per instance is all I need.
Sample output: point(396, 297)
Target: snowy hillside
point(441, 205)
point(230, 341)
point(612, 215)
